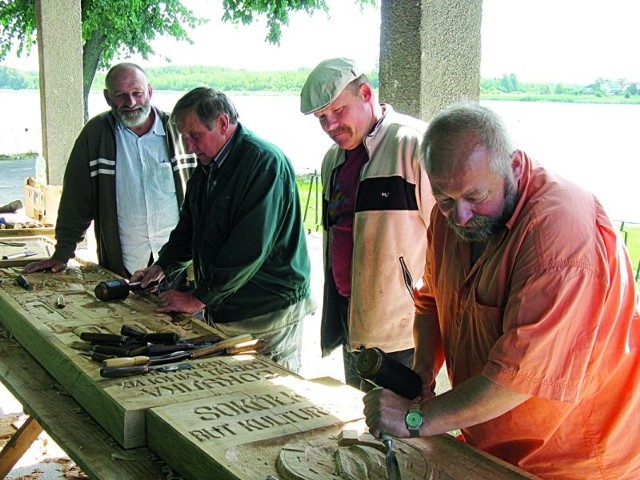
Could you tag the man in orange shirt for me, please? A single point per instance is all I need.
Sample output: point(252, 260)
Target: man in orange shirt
point(529, 298)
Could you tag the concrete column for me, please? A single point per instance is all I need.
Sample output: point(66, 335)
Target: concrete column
point(59, 26)
point(446, 68)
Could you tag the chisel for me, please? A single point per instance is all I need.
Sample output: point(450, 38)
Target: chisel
point(393, 469)
point(117, 372)
point(13, 256)
point(145, 360)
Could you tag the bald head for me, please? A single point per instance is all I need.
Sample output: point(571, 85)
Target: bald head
point(119, 69)
point(455, 133)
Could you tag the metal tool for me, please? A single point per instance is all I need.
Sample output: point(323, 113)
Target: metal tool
point(393, 469)
point(145, 360)
point(24, 282)
point(117, 372)
point(13, 244)
point(13, 256)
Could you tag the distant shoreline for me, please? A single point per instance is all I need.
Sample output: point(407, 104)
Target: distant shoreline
point(496, 97)
point(19, 156)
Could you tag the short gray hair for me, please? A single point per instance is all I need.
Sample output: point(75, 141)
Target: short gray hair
point(207, 103)
point(121, 66)
point(468, 117)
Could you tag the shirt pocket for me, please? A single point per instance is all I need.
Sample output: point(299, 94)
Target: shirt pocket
point(164, 177)
point(484, 325)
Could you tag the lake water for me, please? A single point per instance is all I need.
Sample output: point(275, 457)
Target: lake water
point(597, 146)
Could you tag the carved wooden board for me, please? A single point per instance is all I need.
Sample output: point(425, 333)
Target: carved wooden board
point(361, 457)
point(239, 435)
point(118, 405)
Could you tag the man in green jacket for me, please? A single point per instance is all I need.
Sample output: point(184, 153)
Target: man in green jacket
point(241, 226)
point(127, 174)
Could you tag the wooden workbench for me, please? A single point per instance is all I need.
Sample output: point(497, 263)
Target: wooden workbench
point(48, 404)
point(236, 419)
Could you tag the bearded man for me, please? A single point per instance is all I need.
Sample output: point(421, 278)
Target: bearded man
point(529, 298)
point(127, 173)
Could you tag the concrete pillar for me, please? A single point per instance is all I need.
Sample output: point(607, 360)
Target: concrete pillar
point(59, 26)
point(447, 66)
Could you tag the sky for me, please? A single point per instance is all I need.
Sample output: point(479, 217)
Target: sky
point(569, 41)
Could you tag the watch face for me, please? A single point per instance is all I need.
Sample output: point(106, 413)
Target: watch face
point(414, 419)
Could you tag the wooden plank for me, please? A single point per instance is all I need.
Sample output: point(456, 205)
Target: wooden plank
point(48, 333)
point(41, 246)
point(68, 424)
point(18, 445)
point(233, 435)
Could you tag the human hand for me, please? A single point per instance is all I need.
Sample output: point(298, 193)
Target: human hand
point(52, 264)
point(384, 411)
point(177, 301)
point(147, 275)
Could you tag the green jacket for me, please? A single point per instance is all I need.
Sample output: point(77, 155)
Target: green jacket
point(89, 189)
point(245, 236)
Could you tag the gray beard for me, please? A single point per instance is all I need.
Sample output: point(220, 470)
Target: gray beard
point(133, 118)
point(485, 227)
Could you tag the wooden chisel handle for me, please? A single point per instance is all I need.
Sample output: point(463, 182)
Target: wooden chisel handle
point(252, 346)
point(126, 361)
point(221, 346)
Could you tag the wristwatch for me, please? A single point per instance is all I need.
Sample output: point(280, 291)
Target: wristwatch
point(414, 420)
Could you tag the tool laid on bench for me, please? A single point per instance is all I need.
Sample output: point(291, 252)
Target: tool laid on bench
point(230, 347)
point(117, 372)
point(117, 366)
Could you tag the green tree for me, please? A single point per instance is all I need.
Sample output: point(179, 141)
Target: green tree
point(112, 28)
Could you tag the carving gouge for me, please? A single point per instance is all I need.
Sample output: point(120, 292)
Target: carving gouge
point(12, 256)
point(145, 360)
point(252, 346)
point(117, 372)
point(219, 347)
point(393, 469)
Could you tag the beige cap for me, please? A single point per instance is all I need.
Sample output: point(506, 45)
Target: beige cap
point(326, 82)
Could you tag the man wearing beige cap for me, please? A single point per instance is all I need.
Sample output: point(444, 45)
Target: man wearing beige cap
point(375, 213)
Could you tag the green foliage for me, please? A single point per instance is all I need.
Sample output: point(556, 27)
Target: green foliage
point(631, 236)
point(310, 201)
point(601, 91)
point(13, 79)
point(225, 79)
point(127, 27)
point(276, 12)
point(17, 25)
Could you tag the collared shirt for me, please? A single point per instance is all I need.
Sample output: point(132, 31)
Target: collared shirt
point(549, 310)
point(146, 194)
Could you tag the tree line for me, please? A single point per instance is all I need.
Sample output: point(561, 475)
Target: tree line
point(184, 78)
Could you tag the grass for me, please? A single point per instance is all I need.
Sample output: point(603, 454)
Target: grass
point(311, 193)
point(311, 201)
point(631, 235)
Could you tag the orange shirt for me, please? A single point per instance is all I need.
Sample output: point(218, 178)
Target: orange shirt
point(549, 310)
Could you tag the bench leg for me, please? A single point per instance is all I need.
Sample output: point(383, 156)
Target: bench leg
point(18, 445)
